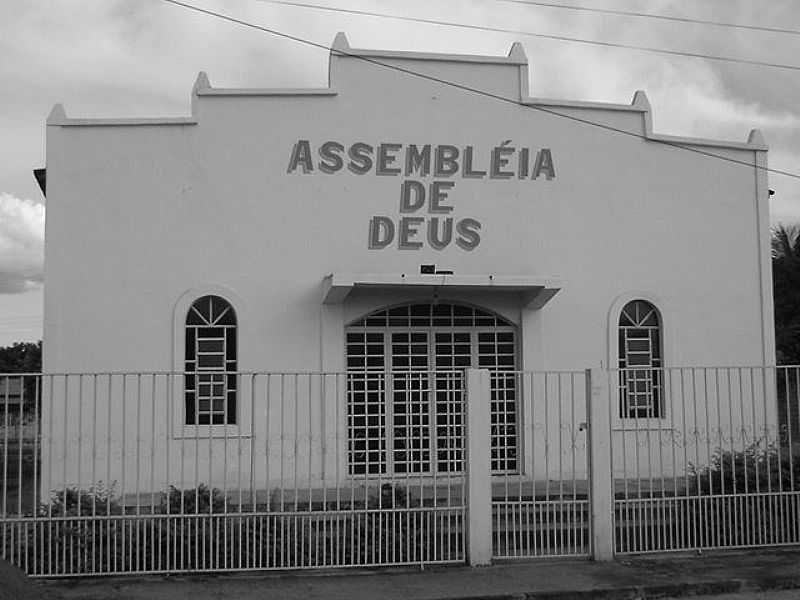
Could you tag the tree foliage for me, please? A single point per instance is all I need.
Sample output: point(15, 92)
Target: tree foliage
point(786, 292)
point(21, 357)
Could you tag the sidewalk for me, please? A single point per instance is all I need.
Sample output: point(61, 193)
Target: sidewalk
point(626, 578)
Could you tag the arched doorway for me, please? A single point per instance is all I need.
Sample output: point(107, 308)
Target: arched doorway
point(405, 382)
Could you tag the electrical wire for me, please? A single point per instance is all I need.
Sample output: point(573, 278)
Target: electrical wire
point(546, 36)
point(626, 13)
point(480, 92)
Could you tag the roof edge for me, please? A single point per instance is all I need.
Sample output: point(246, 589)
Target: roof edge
point(202, 87)
point(585, 104)
point(697, 141)
point(124, 122)
point(266, 92)
point(641, 104)
point(58, 117)
point(341, 48)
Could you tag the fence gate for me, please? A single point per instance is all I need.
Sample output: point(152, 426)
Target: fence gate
point(540, 503)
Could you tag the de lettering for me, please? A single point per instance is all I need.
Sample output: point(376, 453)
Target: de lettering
point(436, 228)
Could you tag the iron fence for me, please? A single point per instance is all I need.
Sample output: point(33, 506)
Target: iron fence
point(716, 464)
point(110, 473)
point(118, 479)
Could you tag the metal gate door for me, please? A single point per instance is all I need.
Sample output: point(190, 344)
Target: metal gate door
point(542, 507)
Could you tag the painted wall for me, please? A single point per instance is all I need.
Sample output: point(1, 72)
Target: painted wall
point(145, 213)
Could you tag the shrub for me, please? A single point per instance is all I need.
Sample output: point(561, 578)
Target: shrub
point(752, 516)
point(199, 500)
point(759, 467)
point(190, 529)
point(99, 499)
point(392, 536)
point(63, 540)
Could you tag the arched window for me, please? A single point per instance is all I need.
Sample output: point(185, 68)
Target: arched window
point(405, 403)
point(210, 365)
point(640, 378)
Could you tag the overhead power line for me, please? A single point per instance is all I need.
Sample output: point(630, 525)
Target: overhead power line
point(626, 13)
point(466, 88)
point(546, 36)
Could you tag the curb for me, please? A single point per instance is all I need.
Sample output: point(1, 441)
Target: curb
point(646, 592)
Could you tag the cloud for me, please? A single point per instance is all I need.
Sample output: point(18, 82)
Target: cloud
point(21, 244)
point(122, 58)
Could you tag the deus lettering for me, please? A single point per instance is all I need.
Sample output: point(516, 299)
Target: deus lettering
point(426, 210)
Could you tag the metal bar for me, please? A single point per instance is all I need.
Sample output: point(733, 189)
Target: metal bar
point(36, 488)
point(168, 387)
point(559, 519)
point(252, 466)
point(733, 513)
point(138, 459)
point(772, 533)
point(548, 528)
point(747, 519)
point(758, 537)
point(5, 461)
point(790, 427)
point(708, 519)
point(64, 469)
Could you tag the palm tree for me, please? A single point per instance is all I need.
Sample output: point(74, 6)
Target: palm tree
point(786, 242)
point(786, 292)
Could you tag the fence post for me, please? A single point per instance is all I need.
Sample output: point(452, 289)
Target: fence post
point(601, 480)
point(479, 481)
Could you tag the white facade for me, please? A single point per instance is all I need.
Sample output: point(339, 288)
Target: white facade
point(147, 215)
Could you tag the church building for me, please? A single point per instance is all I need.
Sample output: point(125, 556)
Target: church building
point(420, 213)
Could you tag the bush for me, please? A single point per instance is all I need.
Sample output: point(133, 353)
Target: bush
point(200, 500)
point(63, 540)
point(755, 515)
point(73, 502)
point(90, 531)
point(759, 467)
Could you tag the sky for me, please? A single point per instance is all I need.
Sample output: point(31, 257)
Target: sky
point(128, 58)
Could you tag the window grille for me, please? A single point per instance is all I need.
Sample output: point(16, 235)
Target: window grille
point(366, 410)
point(496, 352)
point(401, 371)
point(640, 376)
point(210, 366)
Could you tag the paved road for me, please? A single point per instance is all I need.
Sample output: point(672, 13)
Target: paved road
point(628, 577)
point(781, 595)
point(182, 592)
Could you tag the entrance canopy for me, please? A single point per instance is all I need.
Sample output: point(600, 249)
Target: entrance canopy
point(533, 291)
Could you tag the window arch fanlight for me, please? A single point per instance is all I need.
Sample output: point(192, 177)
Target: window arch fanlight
point(438, 314)
point(210, 362)
point(405, 405)
point(640, 361)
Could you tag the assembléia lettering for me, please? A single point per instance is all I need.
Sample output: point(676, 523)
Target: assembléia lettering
point(502, 161)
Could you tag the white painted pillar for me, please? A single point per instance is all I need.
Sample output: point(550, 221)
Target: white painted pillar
point(479, 480)
point(601, 481)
